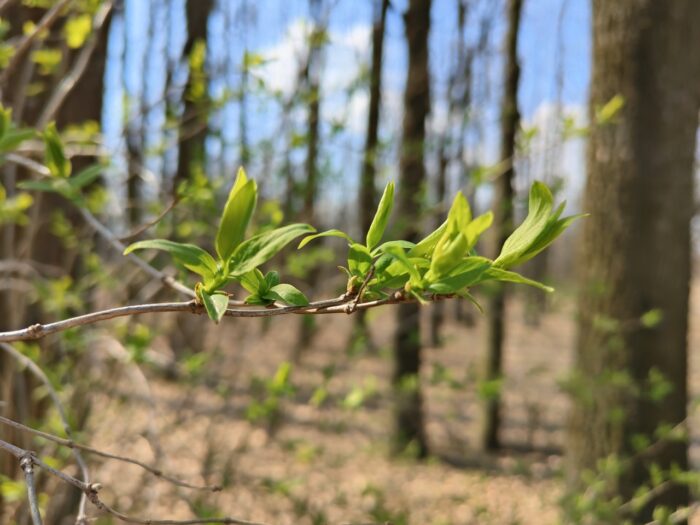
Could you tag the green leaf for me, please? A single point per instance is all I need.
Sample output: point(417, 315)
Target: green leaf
point(260, 248)
point(359, 259)
point(329, 233)
point(466, 274)
point(539, 210)
point(12, 138)
point(237, 213)
point(288, 294)
point(253, 281)
point(86, 176)
point(381, 218)
point(272, 279)
point(215, 304)
point(407, 264)
point(499, 274)
point(56, 160)
point(190, 256)
point(477, 227)
point(425, 247)
point(77, 29)
point(406, 245)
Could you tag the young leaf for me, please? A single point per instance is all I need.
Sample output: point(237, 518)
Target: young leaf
point(253, 282)
point(190, 256)
point(407, 264)
point(237, 213)
point(272, 279)
point(378, 226)
point(86, 176)
point(499, 274)
point(329, 233)
point(359, 259)
point(406, 245)
point(466, 274)
point(260, 248)
point(215, 304)
point(288, 294)
point(477, 227)
point(425, 247)
point(539, 211)
point(12, 138)
point(56, 161)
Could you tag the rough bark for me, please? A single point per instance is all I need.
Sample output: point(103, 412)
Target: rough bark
point(502, 225)
point(636, 253)
point(409, 424)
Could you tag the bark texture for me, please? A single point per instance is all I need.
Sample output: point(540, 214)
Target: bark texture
point(502, 224)
point(636, 251)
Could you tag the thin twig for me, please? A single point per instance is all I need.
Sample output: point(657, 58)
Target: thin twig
point(27, 464)
point(46, 22)
point(73, 445)
point(79, 66)
point(139, 230)
point(91, 492)
point(41, 376)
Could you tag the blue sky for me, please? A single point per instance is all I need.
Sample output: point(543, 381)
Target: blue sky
point(554, 42)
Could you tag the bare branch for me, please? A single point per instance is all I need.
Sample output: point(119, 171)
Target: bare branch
point(91, 493)
point(41, 376)
point(73, 445)
point(27, 464)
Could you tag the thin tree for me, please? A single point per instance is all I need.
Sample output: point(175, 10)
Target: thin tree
point(368, 189)
point(636, 247)
point(409, 426)
point(193, 126)
point(502, 227)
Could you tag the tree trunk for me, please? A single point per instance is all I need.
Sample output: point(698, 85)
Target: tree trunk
point(636, 251)
point(410, 431)
point(193, 128)
point(502, 225)
point(368, 190)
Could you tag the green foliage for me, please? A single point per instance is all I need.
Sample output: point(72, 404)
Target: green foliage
point(445, 261)
point(237, 259)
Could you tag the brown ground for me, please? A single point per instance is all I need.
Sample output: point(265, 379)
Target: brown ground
point(330, 464)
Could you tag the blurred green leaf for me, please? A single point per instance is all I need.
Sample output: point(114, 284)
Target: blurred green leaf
point(56, 161)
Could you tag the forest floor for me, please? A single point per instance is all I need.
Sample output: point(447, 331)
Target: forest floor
point(329, 463)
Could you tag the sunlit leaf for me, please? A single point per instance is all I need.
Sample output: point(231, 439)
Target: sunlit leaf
point(190, 256)
point(288, 294)
point(260, 248)
point(381, 218)
point(236, 216)
point(328, 233)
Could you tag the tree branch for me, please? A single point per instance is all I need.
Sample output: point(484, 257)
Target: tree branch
point(341, 305)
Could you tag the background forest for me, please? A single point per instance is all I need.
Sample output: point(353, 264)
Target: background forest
point(421, 400)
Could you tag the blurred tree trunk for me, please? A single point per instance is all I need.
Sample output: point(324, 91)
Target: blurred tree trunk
point(312, 94)
point(193, 125)
point(409, 426)
point(636, 248)
point(450, 147)
point(502, 225)
point(368, 189)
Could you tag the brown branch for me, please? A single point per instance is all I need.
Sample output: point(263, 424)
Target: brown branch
point(91, 493)
point(139, 230)
point(332, 306)
point(125, 459)
point(36, 370)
